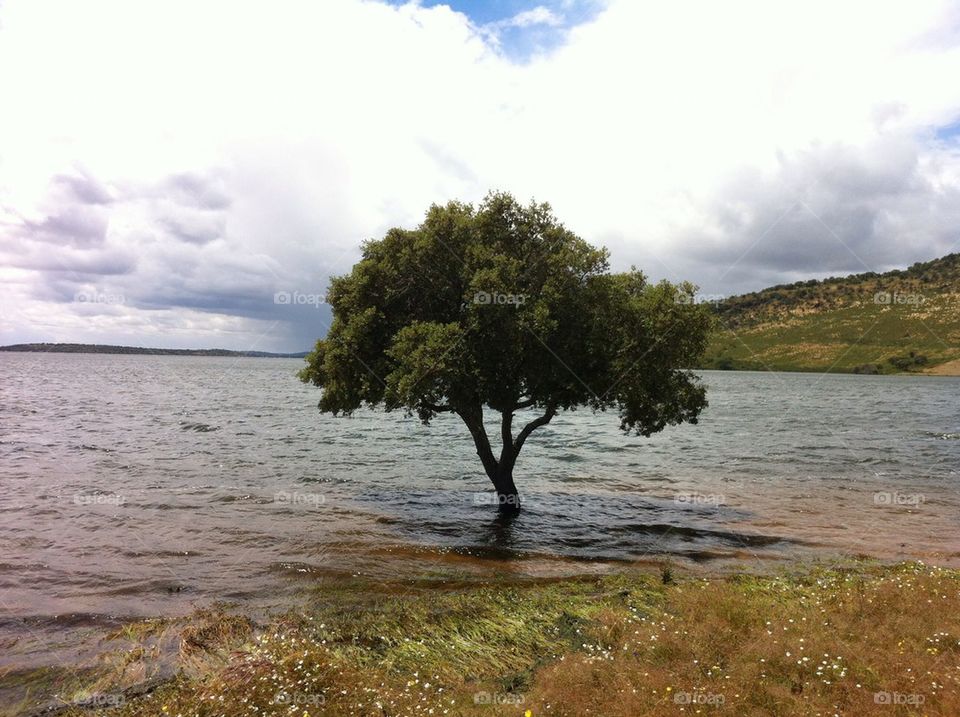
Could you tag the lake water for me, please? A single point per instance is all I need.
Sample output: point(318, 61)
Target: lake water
point(146, 485)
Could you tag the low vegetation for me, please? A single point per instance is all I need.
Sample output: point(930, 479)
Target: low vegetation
point(904, 320)
point(864, 639)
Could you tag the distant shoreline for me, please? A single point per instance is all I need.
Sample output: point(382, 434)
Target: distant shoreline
point(140, 350)
point(949, 368)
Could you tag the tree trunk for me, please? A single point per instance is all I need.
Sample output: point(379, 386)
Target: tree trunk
point(508, 499)
point(500, 471)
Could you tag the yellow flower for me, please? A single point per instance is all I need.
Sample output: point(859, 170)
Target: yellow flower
point(528, 713)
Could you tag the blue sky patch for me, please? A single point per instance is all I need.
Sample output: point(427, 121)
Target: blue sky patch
point(523, 28)
point(949, 133)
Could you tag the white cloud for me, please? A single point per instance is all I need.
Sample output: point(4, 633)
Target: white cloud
point(539, 15)
point(198, 157)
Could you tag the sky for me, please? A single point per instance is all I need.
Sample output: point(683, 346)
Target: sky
point(190, 174)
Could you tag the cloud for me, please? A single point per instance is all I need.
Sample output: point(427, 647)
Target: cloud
point(736, 144)
point(77, 225)
point(194, 189)
point(540, 15)
point(196, 227)
point(829, 210)
point(83, 188)
point(538, 30)
point(81, 264)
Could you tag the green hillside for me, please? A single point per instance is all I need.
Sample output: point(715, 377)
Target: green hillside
point(903, 320)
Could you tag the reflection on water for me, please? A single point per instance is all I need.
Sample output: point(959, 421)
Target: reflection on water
point(142, 485)
point(499, 532)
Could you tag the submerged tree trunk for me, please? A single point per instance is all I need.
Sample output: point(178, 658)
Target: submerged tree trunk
point(500, 471)
point(508, 499)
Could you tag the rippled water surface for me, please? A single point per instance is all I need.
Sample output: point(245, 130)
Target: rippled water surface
point(145, 485)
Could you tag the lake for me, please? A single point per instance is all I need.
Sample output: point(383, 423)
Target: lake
point(148, 485)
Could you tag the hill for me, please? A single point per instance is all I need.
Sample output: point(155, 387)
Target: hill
point(105, 349)
point(901, 320)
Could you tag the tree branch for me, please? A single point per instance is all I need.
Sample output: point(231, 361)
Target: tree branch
point(506, 435)
point(473, 418)
point(534, 425)
point(524, 404)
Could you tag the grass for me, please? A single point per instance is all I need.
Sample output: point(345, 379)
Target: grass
point(864, 322)
point(814, 642)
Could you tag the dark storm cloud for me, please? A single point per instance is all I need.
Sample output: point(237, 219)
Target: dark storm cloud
point(80, 264)
point(293, 317)
point(833, 211)
point(54, 289)
point(202, 294)
point(66, 288)
point(215, 279)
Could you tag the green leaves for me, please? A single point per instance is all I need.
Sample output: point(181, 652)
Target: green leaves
point(500, 305)
point(428, 364)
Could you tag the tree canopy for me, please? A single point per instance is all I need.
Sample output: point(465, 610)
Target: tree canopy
point(501, 307)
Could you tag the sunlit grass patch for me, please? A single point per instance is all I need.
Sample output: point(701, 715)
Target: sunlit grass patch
point(853, 643)
point(867, 640)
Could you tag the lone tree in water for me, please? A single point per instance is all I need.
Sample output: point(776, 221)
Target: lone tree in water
point(501, 307)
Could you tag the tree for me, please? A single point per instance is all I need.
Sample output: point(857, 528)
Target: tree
point(500, 307)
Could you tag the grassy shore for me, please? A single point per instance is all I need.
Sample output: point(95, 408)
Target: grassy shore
point(862, 640)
